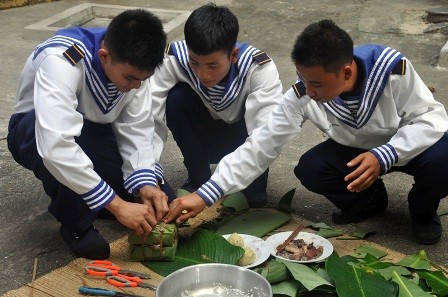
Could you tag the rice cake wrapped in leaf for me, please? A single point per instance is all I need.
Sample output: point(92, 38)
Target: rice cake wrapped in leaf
point(153, 252)
point(163, 234)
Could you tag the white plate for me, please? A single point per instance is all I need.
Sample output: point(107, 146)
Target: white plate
point(258, 245)
point(279, 238)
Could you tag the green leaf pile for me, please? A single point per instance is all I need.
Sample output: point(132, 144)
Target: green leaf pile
point(363, 274)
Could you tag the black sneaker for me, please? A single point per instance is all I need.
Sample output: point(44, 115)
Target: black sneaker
point(365, 207)
point(189, 186)
point(257, 200)
point(427, 232)
point(90, 244)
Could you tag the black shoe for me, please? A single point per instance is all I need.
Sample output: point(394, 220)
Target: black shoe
point(365, 207)
point(90, 244)
point(257, 200)
point(189, 186)
point(427, 232)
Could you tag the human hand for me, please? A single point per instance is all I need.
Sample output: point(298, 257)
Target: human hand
point(133, 215)
point(192, 203)
point(156, 200)
point(366, 173)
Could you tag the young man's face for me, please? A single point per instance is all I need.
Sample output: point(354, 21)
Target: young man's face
point(124, 76)
point(320, 85)
point(211, 69)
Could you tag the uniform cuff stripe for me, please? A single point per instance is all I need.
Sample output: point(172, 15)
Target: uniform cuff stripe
point(139, 179)
point(210, 192)
point(386, 155)
point(99, 196)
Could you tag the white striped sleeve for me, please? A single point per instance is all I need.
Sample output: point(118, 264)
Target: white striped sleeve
point(210, 192)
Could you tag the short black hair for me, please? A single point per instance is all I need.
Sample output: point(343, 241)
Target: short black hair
point(211, 28)
point(324, 44)
point(136, 37)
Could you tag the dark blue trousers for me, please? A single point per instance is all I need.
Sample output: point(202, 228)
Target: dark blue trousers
point(97, 141)
point(202, 139)
point(322, 170)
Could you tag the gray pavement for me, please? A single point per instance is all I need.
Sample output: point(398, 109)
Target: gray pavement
point(29, 232)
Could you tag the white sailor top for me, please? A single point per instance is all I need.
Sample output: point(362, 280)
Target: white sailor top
point(251, 91)
point(397, 118)
point(64, 83)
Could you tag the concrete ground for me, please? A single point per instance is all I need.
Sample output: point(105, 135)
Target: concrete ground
point(29, 232)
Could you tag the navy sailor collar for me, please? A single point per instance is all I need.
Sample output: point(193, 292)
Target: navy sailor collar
point(377, 62)
point(225, 92)
point(89, 41)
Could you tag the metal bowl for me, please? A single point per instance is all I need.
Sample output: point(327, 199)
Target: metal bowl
point(210, 280)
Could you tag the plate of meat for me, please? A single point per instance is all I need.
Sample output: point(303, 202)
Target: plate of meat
point(304, 248)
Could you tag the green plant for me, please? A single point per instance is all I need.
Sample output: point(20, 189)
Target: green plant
point(361, 274)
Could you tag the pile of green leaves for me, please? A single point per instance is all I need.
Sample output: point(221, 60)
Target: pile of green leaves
point(363, 274)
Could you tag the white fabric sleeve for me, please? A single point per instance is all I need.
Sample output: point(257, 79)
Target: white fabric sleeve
point(161, 82)
point(266, 94)
point(57, 123)
point(239, 168)
point(423, 120)
point(134, 130)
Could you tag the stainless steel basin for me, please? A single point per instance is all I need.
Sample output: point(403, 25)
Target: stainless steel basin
point(211, 280)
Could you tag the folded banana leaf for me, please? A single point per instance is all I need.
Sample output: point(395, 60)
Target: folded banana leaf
point(236, 201)
point(163, 234)
point(153, 252)
point(255, 222)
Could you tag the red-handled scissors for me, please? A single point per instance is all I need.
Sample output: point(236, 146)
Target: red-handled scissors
point(107, 268)
point(128, 281)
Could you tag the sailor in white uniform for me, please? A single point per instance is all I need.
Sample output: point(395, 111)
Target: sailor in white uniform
point(214, 92)
point(379, 116)
point(83, 124)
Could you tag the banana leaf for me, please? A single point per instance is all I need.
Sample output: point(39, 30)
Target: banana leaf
point(328, 233)
point(352, 281)
point(416, 261)
point(236, 201)
point(436, 280)
point(202, 247)
point(363, 250)
point(256, 222)
point(286, 201)
point(274, 272)
point(408, 288)
point(306, 276)
point(320, 225)
point(387, 272)
point(164, 234)
point(373, 262)
point(361, 234)
point(153, 252)
point(323, 274)
point(288, 288)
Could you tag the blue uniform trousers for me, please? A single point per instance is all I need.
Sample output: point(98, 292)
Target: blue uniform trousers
point(202, 139)
point(322, 170)
point(97, 141)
